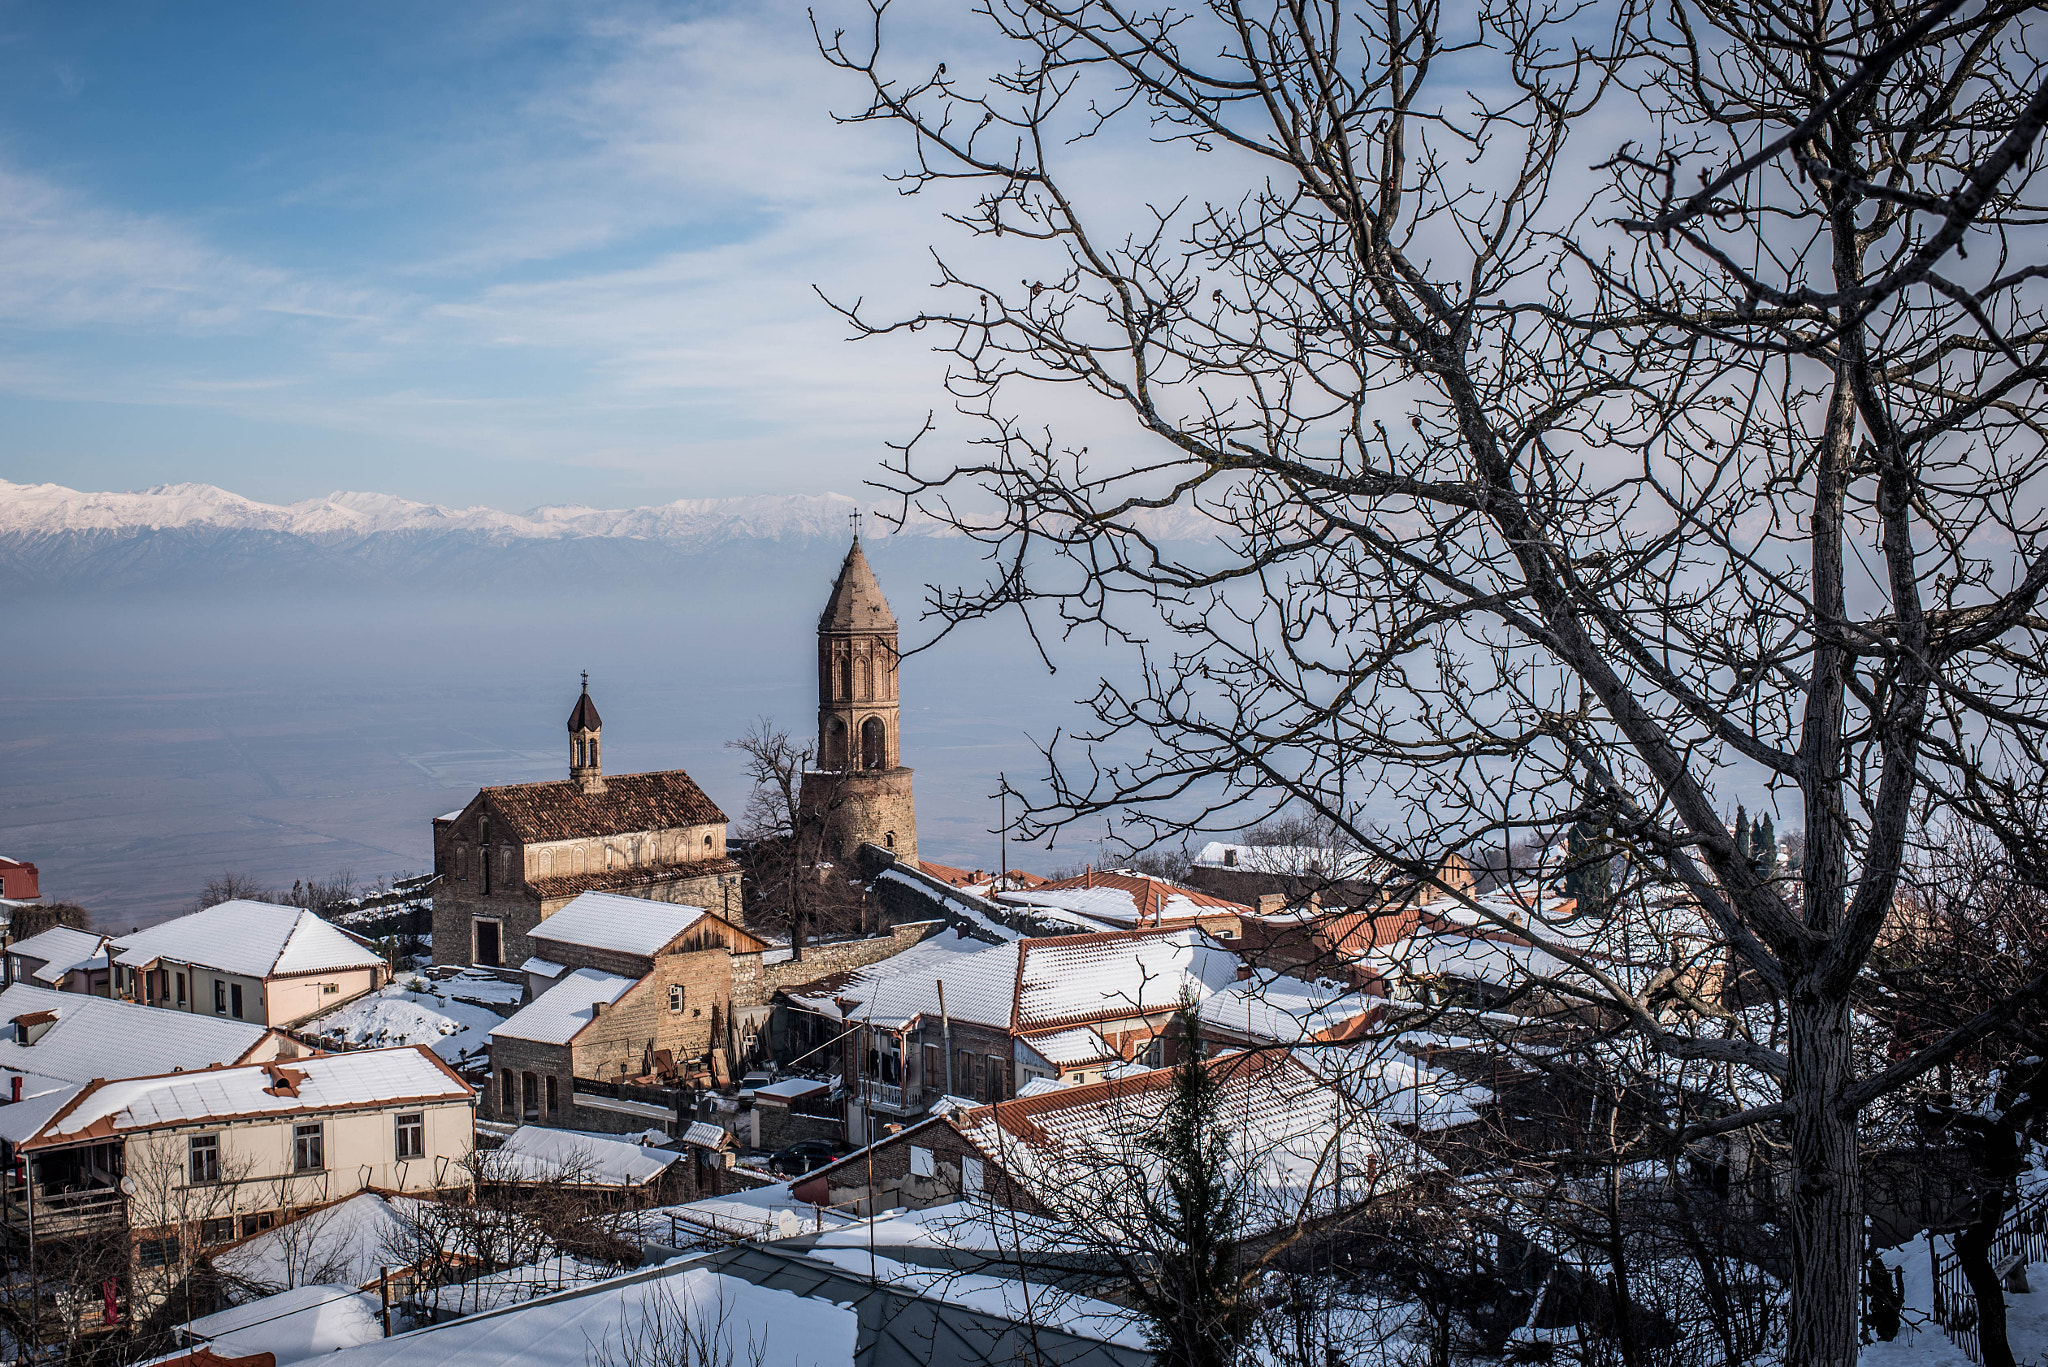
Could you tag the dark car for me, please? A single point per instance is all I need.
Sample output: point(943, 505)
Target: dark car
point(808, 1156)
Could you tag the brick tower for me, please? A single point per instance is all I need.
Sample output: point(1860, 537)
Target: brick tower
point(860, 791)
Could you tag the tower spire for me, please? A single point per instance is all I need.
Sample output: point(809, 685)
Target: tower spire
point(586, 730)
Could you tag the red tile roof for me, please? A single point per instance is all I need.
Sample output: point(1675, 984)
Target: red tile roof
point(658, 801)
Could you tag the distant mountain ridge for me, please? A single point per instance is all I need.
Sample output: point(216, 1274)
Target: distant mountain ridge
point(188, 536)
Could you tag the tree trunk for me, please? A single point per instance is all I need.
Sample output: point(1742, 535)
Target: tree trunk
point(1973, 1254)
point(1827, 1199)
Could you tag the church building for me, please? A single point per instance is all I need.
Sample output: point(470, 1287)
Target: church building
point(860, 792)
point(518, 853)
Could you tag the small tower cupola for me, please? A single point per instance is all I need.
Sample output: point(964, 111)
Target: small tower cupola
point(585, 728)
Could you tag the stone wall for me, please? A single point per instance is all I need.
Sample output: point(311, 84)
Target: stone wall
point(521, 1057)
point(847, 1186)
point(622, 1041)
point(864, 807)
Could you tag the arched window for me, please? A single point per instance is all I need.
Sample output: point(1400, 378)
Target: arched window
point(845, 672)
point(867, 678)
point(873, 751)
point(889, 839)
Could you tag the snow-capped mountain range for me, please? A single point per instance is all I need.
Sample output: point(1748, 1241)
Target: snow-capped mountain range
point(48, 509)
point(187, 535)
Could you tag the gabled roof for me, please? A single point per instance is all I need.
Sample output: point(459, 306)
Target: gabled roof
point(561, 810)
point(254, 939)
point(585, 717)
point(60, 948)
point(629, 925)
point(856, 603)
point(324, 1082)
point(980, 981)
point(557, 1014)
point(98, 1037)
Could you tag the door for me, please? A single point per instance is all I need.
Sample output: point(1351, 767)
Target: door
point(235, 1000)
point(488, 950)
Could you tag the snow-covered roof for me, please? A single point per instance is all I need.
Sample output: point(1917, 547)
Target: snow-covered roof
point(1121, 900)
point(769, 1212)
point(607, 920)
point(21, 1119)
point(790, 1088)
point(980, 980)
point(1098, 977)
point(705, 1135)
point(557, 1014)
point(61, 949)
point(1070, 1048)
point(99, 1037)
point(254, 939)
point(347, 1240)
point(572, 1327)
point(537, 1154)
point(370, 1077)
point(1294, 861)
point(1299, 1143)
point(292, 1326)
point(541, 968)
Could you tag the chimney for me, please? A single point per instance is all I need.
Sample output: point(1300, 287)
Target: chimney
point(1272, 903)
point(15, 1087)
point(1244, 972)
point(596, 1010)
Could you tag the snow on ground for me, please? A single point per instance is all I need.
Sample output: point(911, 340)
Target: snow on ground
point(451, 1014)
point(1921, 1342)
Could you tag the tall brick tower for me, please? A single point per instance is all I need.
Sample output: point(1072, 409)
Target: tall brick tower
point(860, 791)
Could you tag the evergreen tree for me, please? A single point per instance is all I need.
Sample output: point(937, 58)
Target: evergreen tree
point(1763, 850)
point(1742, 850)
point(1198, 1304)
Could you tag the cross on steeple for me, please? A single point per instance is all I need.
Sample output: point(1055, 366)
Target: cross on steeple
point(854, 517)
point(586, 681)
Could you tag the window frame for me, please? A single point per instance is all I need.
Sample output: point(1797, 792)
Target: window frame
point(409, 1125)
point(678, 999)
point(315, 1130)
point(208, 1146)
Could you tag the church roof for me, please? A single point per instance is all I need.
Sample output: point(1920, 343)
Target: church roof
point(630, 802)
point(857, 603)
point(585, 717)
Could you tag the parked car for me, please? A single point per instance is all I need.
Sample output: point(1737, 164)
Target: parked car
point(757, 1078)
point(807, 1156)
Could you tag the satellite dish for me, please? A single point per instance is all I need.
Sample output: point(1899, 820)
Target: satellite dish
point(127, 1186)
point(785, 1223)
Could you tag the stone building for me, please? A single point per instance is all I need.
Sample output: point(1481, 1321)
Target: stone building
point(518, 853)
point(860, 792)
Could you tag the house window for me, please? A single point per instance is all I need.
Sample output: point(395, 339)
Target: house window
point(508, 1092)
point(532, 1097)
point(220, 997)
point(998, 1078)
point(157, 1252)
point(220, 1231)
point(329, 989)
point(235, 1000)
point(554, 1095)
point(181, 989)
point(921, 1164)
point(205, 1157)
point(412, 1134)
point(675, 998)
point(256, 1224)
point(309, 1147)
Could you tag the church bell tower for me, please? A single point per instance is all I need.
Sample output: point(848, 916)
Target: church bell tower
point(586, 729)
point(859, 792)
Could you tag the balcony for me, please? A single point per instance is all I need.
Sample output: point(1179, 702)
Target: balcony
point(71, 1212)
point(887, 1096)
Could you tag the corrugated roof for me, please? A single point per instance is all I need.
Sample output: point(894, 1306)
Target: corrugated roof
point(535, 1153)
point(630, 925)
point(980, 980)
point(557, 1014)
point(324, 1082)
point(254, 939)
point(630, 802)
point(97, 1037)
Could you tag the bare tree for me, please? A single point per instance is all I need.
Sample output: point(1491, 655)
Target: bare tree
point(789, 879)
point(229, 886)
point(1446, 476)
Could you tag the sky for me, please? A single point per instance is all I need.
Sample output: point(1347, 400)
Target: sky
point(508, 253)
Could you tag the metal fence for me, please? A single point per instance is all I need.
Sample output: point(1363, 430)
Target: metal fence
point(2022, 1238)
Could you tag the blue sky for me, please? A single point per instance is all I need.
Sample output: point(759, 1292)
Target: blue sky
point(472, 253)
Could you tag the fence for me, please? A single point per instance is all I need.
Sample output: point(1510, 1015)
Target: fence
point(2022, 1238)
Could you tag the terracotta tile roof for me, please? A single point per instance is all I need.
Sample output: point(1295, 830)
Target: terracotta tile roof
point(658, 801)
point(576, 884)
